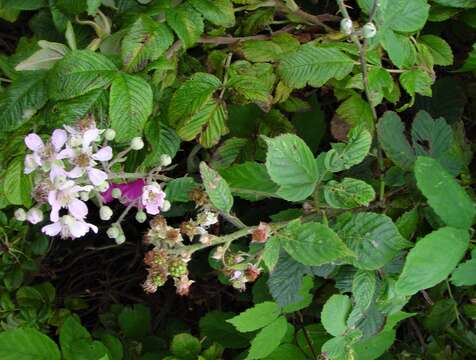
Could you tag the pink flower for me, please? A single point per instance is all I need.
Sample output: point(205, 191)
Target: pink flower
point(130, 191)
point(68, 227)
point(34, 216)
point(153, 198)
point(66, 196)
point(45, 154)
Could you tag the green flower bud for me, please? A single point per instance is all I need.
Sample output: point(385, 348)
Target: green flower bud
point(141, 217)
point(116, 193)
point(137, 143)
point(109, 134)
point(369, 30)
point(105, 213)
point(346, 26)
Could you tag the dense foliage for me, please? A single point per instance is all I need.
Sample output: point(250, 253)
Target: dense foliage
point(237, 179)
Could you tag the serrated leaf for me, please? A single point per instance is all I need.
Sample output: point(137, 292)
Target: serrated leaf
point(286, 351)
point(271, 252)
point(305, 292)
point(250, 181)
point(256, 317)
point(470, 63)
point(16, 185)
point(390, 130)
point(334, 314)
point(218, 12)
point(416, 82)
point(71, 332)
point(27, 344)
point(79, 72)
point(215, 327)
point(440, 49)
point(356, 112)
point(314, 66)
point(468, 4)
point(344, 156)
point(163, 140)
point(44, 58)
point(268, 339)
point(22, 99)
point(431, 137)
point(186, 22)
point(373, 238)
point(178, 190)
point(432, 259)
point(226, 154)
point(291, 165)
point(441, 186)
point(364, 285)
point(217, 188)
point(312, 243)
point(130, 104)
point(348, 194)
point(145, 41)
point(400, 49)
point(465, 274)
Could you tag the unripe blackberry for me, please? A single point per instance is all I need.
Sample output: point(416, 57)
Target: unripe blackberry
point(159, 279)
point(177, 268)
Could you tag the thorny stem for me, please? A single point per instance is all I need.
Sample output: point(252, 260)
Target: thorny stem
point(362, 47)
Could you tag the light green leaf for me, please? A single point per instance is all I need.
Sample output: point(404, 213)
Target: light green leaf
point(416, 82)
point(432, 259)
point(269, 50)
point(373, 347)
point(268, 339)
point(16, 185)
point(390, 130)
point(44, 58)
point(271, 252)
point(79, 72)
point(186, 22)
point(470, 63)
point(162, 139)
point(218, 12)
point(460, 211)
point(27, 344)
point(334, 314)
point(312, 243)
point(314, 66)
point(408, 222)
point(344, 156)
point(250, 181)
point(364, 285)
point(251, 88)
point(291, 165)
point(22, 99)
point(130, 104)
point(440, 49)
point(285, 352)
point(178, 190)
point(400, 49)
point(93, 6)
point(185, 346)
point(356, 112)
point(305, 292)
point(374, 238)
point(217, 188)
point(465, 274)
point(71, 332)
point(256, 317)
point(348, 194)
point(145, 41)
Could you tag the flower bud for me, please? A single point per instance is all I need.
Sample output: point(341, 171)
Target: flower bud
point(116, 193)
point(166, 206)
point(109, 134)
point(120, 239)
point(369, 30)
point(105, 213)
point(137, 143)
point(103, 186)
point(141, 217)
point(346, 26)
point(114, 231)
point(34, 216)
point(20, 214)
point(165, 160)
point(84, 196)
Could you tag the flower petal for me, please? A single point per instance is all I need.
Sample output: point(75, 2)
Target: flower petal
point(75, 172)
point(58, 139)
point(90, 136)
point(78, 209)
point(104, 154)
point(96, 176)
point(34, 142)
point(78, 228)
point(52, 229)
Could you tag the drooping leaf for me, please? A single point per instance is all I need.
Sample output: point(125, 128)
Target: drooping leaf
point(217, 188)
point(348, 194)
point(256, 317)
point(130, 104)
point(186, 22)
point(438, 186)
point(432, 259)
point(334, 314)
point(291, 165)
point(27, 344)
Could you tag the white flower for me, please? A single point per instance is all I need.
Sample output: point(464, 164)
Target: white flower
point(153, 198)
point(68, 227)
point(66, 196)
point(34, 216)
point(44, 155)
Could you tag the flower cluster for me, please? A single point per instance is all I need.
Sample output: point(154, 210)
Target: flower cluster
point(74, 166)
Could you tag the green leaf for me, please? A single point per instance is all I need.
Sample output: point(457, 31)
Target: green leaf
point(432, 259)
point(186, 22)
point(79, 72)
point(178, 190)
point(416, 82)
point(356, 112)
point(285, 352)
point(135, 321)
point(250, 181)
point(22, 99)
point(217, 188)
point(465, 274)
point(348, 194)
point(44, 58)
point(256, 317)
point(312, 243)
point(364, 285)
point(218, 12)
point(374, 238)
point(162, 139)
point(145, 41)
point(27, 344)
point(24, 4)
point(438, 188)
point(440, 49)
point(334, 314)
point(468, 4)
point(291, 165)
point(130, 104)
point(314, 66)
point(269, 50)
point(71, 332)
point(251, 88)
point(400, 49)
point(373, 347)
point(268, 339)
point(227, 153)
point(17, 186)
point(185, 346)
point(271, 252)
point(408, 222)
point(71, 110)
point(470, 63)
point(344, 156)
point(93, 6)
point(215, 327)
point(390, 130)
point(305, 292)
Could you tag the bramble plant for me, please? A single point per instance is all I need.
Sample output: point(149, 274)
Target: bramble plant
point(237, 179)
